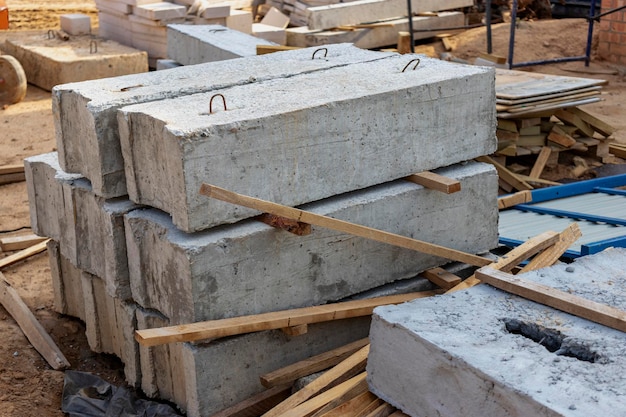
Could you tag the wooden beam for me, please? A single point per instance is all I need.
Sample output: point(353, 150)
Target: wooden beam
point(319, 401)
point(549, 256)
point(21, 255)
point(311, 365)
point(566, 116)
point(540, 162)
point(383, 410)
point(511, 200)
point(514, 257)
point(291, 226)
point(268, 49)
point(404, 43)
point(270, 321)
point(506, 175)
point(12, 169)
point(441, 278)
point(33, 330)
point(434, 181)
point(355, 362)
point(370, 408)
point(13, 243)
point(599, 313)
point(561, 137)
point(341, 225)
point(11, 178)
point(298, 330)
point(598, 125)
point(257, 404)
point(347, 408)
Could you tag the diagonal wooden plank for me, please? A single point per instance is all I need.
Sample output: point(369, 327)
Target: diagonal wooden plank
point(549, 256)
point(341, 225)
point(435, 181)
point(23, 254)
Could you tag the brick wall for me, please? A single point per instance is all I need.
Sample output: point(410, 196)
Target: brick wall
point(612, 33)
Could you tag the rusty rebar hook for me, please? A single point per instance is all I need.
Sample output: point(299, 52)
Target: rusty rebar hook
point(320, 49)
point(211, 102)
point(417, 62)
point(93, 47)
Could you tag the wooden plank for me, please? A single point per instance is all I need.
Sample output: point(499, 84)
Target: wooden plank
point(348, 408)
point(11, 178)
point(559, 136)
point(23, 254)
point(552, 254)
point(436, 182)
point(540, 162)
point(541, 181)
point(599, 313)
point(12, 243)
point(311, 365)
point(383, 410)
point(598, 125)
point(514, 257)
point(12, 169)
point(441, 278)
point(511, 200)
point(356, 361)
point(319, 401)
point(340, 225)
point(618, 150)
point(33, 330)
point(567, 117)
point(506, 175)
point(404, 43)
point(291, 226)
point(268, 49)
point(270, 321)
point(296, 330)
point(257, 404)
point(369, 408)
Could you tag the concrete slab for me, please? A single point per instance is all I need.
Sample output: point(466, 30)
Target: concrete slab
point(85, 113)
point(160, 11)
point(67, 284)
point(196, 44)
point(50, 62)
point(90, 229)
point(306, 137)
point(251, 268)
point(453, 355)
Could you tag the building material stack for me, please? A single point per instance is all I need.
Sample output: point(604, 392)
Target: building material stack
point(136, 246)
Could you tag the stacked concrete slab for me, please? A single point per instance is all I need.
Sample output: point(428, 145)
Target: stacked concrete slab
point(485, 352)
point(165, 262)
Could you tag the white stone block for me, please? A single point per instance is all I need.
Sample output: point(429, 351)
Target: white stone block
point(306, 137)
point(270, 33)
point(160, 11)
point(213, 274)
point(484, 352)
point(85, 113)
point(76, 24)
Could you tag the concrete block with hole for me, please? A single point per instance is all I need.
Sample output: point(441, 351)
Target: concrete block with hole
point(196, 44)
point(89, 229)
point(251, 268)
point(85, 113)
point(307, 137)
point(486, 352)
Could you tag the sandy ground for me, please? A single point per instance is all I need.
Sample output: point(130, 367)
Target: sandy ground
point(28, 386)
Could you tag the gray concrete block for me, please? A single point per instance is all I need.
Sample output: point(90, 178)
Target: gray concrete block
point(196, 44)
point(67, 284)
point(85, 113)
point(307, 137)
point(89, 229)
point(453, 355)
point(250, 267)
point(50, 62)
point(110, 326)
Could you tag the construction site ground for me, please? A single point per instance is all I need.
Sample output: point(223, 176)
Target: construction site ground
point(28, 386)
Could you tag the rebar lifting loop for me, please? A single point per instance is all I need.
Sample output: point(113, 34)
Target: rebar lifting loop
point(51, 34)
point(93, 47)
point(211, 102)
point(320, 49)
point(417, 62)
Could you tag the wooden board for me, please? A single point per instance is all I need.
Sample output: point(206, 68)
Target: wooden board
point(23, 254)
point(545, 109)
point(12, 243)
point(516, 85)
point(434, 181)
point(257, 404)
point(545, 101)
point(214, 329)
point(507, 102)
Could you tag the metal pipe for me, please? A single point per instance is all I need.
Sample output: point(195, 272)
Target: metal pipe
point(512, 33)
point(488, 23)
point(592, 12)
point(411, 36)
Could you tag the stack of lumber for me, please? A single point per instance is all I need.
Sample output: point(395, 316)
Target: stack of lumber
point(167, 200)
point(142, 24)
point(367, 23)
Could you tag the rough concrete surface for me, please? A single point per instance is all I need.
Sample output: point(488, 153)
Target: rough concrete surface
point(89, 229)
point(251, 268)
point(452, 355)
point(85, 113)
point(305, 138)
point(67, 284)
point(196, 44)
point(50, 62)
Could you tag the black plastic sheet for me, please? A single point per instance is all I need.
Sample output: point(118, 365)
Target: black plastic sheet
point(87, 395)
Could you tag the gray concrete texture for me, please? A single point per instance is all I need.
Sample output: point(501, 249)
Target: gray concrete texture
point(251, 268)
point(85, 113)
point(452, 355)
point(67, 283)
point(305, 138)
point(197, 44)
point(89, 229)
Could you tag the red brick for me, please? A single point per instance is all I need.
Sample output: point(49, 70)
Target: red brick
point(618, 27)
point(617, 49)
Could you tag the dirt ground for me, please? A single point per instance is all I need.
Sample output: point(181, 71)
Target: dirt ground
point(28, 386)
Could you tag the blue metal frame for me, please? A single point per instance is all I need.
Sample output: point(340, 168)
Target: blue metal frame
point(600, 185)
